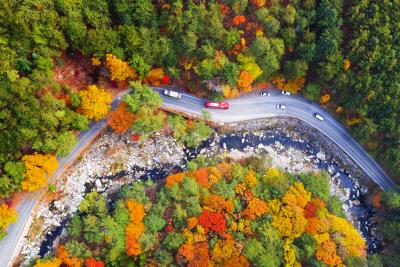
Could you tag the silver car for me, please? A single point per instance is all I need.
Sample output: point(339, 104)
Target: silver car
point(286, 93)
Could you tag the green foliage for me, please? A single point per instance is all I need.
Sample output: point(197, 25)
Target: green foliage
point(318, 185)
point(173, 241)
point(312, 91)
point(334, 206)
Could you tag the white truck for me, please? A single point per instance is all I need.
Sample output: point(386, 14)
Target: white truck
point(173, 94)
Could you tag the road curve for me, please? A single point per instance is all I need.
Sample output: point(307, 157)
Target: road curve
point(247, 107)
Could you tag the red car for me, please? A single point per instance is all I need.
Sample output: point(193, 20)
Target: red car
point(217, 105)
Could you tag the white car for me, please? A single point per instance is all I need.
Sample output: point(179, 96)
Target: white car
point(280, 106)
point(264, 94)
point(318, 116)
point(172, 94)
point(285, 93)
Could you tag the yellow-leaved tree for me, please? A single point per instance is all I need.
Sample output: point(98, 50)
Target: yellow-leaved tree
point(95, 103)
point(37, 166)
point(118, 68)
point(7, 217)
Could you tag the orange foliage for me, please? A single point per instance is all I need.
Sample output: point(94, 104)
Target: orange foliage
point(245, 81)
point(258, 3)
point(63, 255)
point(239, 20)
point(312, 224)
point(121, 119)
point(135, 228)
point(174, 179)
point(192, 222)
point(201, 176)
point(92, 262)
point(325, 99)
point(326, 252)
point(155, 76)
point(187, 251)
point(201, 256)
point(236, 261)
point(37, 166)
point(255, 208)
point(96, 61)
point(118, 68)
point(218, 204)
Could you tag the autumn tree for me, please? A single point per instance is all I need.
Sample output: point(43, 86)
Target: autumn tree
point(118, 68)
point(135, 228)
point(121, 119)
point(37, 167)
point(7, 217)
point(95, 102)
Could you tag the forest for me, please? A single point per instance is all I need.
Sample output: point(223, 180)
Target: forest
point(341, 53)
point(217, 213)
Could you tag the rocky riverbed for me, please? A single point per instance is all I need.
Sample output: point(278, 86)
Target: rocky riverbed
point(114, 160)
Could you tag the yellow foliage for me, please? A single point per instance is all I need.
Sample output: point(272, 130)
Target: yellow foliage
point(325, 99)
point(95, 61)
point(251, 179)
point(118, 68)
point(95, 103)
point(214, 176)
point(289, 254)
point(339, 110)
point(55, 262)
point(7, 217)
point(229, 92)
point(346, 235)
point(346, 64)
point(224, 250)
point(37, 166)
point(353, 121)
point(296, 195)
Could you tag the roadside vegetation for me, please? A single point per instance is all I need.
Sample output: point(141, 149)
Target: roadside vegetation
point(61, 62)
point(217, 214)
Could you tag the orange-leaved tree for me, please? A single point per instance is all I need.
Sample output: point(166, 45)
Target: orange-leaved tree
point(135, 228)
point(118, 68)
point(155, 76)
point(92, 262)
point(258, 3)
point(95, 103)
point(37, 166)
point(238, 20)
point(326, 252)
point(121, 118)
point(245, 81)
point(63, 254)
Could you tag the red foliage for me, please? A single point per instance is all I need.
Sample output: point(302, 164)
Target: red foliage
point(238, 20)
point(165, 79)
point(212, 221)
point(91, 262)
point(312, 207)
point(135, 137)
point(224, 9)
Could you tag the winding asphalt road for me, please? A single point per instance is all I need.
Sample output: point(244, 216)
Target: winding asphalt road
point(247, 107)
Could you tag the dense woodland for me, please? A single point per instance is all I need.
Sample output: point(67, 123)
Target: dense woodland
point(223, 214)
point(341, 53)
